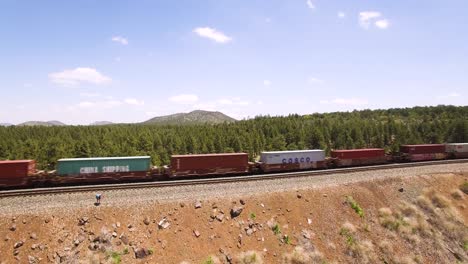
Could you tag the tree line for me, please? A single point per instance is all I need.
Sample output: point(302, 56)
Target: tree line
point(341, 130)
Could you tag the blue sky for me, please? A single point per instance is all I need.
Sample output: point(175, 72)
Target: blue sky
point(128, 61)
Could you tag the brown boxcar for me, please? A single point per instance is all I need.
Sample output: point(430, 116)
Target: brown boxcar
point(357, 157)
point(208, 164)
point(423, 149)
point(16, 172)
point(358, 153)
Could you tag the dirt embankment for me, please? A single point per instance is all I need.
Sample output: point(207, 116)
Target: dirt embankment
point(419, 219)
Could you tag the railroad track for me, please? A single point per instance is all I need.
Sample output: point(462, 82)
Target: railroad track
point(160, 184)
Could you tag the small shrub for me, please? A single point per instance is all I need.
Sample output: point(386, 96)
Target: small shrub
point(465, 245)
point(356, 207)
point(125, 251)
point(253, 216)
point(250, 257)
point(350, 241)
point(287, 239)
point(151, 251)
point(276, 229)
point(209, 261)
point(464, 187)
point(115, 257)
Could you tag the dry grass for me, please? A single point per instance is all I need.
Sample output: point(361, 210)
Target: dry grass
point(349, 227)
point(249, 257)
point(464, 187)
point(457, 195)
point(300, 256)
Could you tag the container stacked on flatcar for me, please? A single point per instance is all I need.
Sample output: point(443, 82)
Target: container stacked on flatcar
point(16, 173)
point(106, 169)
point(358, 157)
point(423, 152)
point(457, 150)
point(208, 164)
point(277, 161)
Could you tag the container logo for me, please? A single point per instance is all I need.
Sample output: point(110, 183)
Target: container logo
point(116, 168)
point(296, 160)
point(89, 170)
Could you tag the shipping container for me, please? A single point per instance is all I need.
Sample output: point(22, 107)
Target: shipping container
point(456, 147)
point(426, 156)
point(423, 149)
point(17, 168)
point(271, 161)
point(107, 165)
point(16, 172)
point(358, 153)
point(361, 161)
point(208, 164)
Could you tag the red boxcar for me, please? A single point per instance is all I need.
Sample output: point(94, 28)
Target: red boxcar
point(357, 153)
point(16, 172)
point(423, 149)
point(356, 157)
point(209, 164)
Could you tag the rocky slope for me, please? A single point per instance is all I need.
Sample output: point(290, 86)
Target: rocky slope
point(417, 218)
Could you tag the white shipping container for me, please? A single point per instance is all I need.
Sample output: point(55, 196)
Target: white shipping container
point(293, 156)
point(456, 147)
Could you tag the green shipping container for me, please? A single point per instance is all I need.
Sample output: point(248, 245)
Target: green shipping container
point(103, 165)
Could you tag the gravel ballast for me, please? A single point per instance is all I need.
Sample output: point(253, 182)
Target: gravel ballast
point(146, 196)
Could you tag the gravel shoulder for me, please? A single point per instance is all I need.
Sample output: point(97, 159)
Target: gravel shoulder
point(153, 196)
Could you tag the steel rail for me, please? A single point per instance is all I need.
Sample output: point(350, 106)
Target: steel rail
point(218, 180)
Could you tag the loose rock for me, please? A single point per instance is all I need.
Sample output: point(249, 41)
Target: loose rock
point(18, 244)
point(141, 253)
point(196, 233)
point(236, 211)
point(198, 205)
point(164, 223)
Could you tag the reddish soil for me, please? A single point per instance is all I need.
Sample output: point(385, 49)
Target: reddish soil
point(440, 238)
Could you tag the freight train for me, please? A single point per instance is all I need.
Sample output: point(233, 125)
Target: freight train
point(23, 173)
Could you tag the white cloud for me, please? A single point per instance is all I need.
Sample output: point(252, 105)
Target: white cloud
point(450, 95)
point(120, 39)
point(99, 104)
point(206, 106)
point(89, 94)
point(232, 101)
point(133, 101)
point(266, 82)
point(382, 24)
point(313, 80)
point(79, 75)
point(346, 101)
point(212, 34)
point(366, 17)
point(341, 14)
point(310, 4)
point(184, 99)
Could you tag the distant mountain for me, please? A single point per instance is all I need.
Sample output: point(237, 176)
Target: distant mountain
point(194, 117)
point(6, 124)
point(42, 123)
point(101, 123)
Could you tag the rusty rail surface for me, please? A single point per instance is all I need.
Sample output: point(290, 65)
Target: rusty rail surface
point(160, 184)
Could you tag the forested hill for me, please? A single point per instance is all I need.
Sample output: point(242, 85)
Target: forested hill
point(194, 117)
point(42, 123)
point(342, 130)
